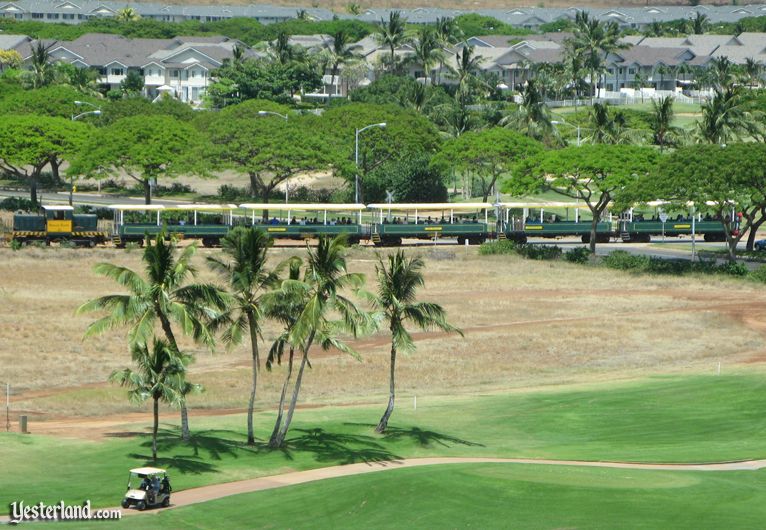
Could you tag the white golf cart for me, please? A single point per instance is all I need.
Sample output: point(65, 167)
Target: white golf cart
point(147, 486)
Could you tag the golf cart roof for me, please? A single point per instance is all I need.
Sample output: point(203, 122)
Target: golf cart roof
point(147, 471)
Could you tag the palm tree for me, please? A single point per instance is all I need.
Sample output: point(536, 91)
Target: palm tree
point(661, 122)
point(754, 72)
point(725, 117)
point(595, 40)
point(353, 9)
point(42, 72)
point(127, 14)
point(722, 73)
point(392, 34)
point(532, 117)
point(84, 79)
point(428, 53)
point(699, 23)
point(279, 50)
point(163, 297)
point(244, 268)
point(159, 375)
point(315, 298)
point(575, 69)
point(302, 14)
point(447, 33)
point(340, 53)
point(396, 299)
point(466, 68)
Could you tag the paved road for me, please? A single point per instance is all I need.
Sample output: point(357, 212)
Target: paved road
point(90, 199)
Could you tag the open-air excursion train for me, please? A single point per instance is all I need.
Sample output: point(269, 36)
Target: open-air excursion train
point(381, 224)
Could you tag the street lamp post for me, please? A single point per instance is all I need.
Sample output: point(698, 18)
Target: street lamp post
point(7, 407)
point(564, 122)
point(357, 132)
point(76, 117)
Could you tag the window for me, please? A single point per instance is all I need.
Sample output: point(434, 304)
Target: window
point(632, 71)
point(174, 74)
point(194, 74)
point(68, 16)
point(611, 71)
point(621, 71)
point(118, 71)
point(52, 16)
point(37, 16)
point(102, 71)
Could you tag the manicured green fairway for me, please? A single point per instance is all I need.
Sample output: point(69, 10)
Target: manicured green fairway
point(489, 496)
point(662, 419)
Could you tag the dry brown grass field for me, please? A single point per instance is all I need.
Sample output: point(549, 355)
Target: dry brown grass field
point(527, 324)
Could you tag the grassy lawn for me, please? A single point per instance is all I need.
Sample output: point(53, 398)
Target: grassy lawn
point(490, 496)
point(660, 419)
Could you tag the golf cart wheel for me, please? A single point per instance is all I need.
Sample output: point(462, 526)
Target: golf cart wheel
point(166, 502)
point(125, 503)
point(141, 506)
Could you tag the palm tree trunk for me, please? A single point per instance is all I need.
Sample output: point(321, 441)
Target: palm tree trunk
point(391, 393)
point(185, 433)
point(294, 401)
point(155, 428)
point(256, 367)
point(171, 338)
point(280, 411)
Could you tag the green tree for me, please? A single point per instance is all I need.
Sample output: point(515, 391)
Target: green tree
point(29, 143)
point(244, 269)
point(133, 84)
point(596, 174)
point(10, 59)
point(753, 71)
point(319, 298)
point(159, 375)
point(487, 154)
point(392, 34)
point(127, 14)
point(726, 116)
point(396, 299)
point(719, 180)
point(465, 72)
point(427, 51)
point(447, 33)
point(700, 23)
point(42, 72)
point(406, 134)
point(412, 179)
point(340, 53)
point(145, 148)
point(269, 150)
point(163, 296)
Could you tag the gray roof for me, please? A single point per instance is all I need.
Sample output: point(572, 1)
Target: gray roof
point(13, 42)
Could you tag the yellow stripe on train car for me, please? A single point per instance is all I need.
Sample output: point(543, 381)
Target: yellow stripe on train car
point(682, 226)
point(533, 227)
point(433, 229)
point(276, 229)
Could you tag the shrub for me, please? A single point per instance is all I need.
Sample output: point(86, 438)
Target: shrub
point(759, 274)
point(539, 252)
point(623, 260)
point(577, 255)
point(668, 266)
point(734, 269)
point(16, 203)
point(15, 245)
point(497, 247)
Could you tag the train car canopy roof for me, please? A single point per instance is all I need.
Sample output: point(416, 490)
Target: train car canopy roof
point(427, 206)
point(280, 207)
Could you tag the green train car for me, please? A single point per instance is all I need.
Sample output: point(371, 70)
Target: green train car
point(465, 222)
point(57, 224)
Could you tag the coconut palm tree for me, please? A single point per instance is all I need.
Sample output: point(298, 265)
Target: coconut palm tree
point(396, 299)
point(725, 117)
point(84, 79)
point(663, 132)
point(279, 50)
point(466, 68)
point(753, 71)
point(244, 269)
point(428, 53)
point(353, 8)
point(574, 67)
point(339, 53)
point(722, 73)
point(595, 40)
point(700, 23)
point(42, 71)
point(315, 298)
point(447, 33)
point(159, 376)
point(392, 34)
point(127, 14)
point(532, 117)
point(163, 297)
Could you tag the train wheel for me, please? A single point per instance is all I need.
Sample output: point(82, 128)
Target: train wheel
point(585, 238)
point(460, 240)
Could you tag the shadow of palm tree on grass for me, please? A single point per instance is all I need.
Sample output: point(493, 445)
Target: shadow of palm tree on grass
point(422, 437)
point(337, 447)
